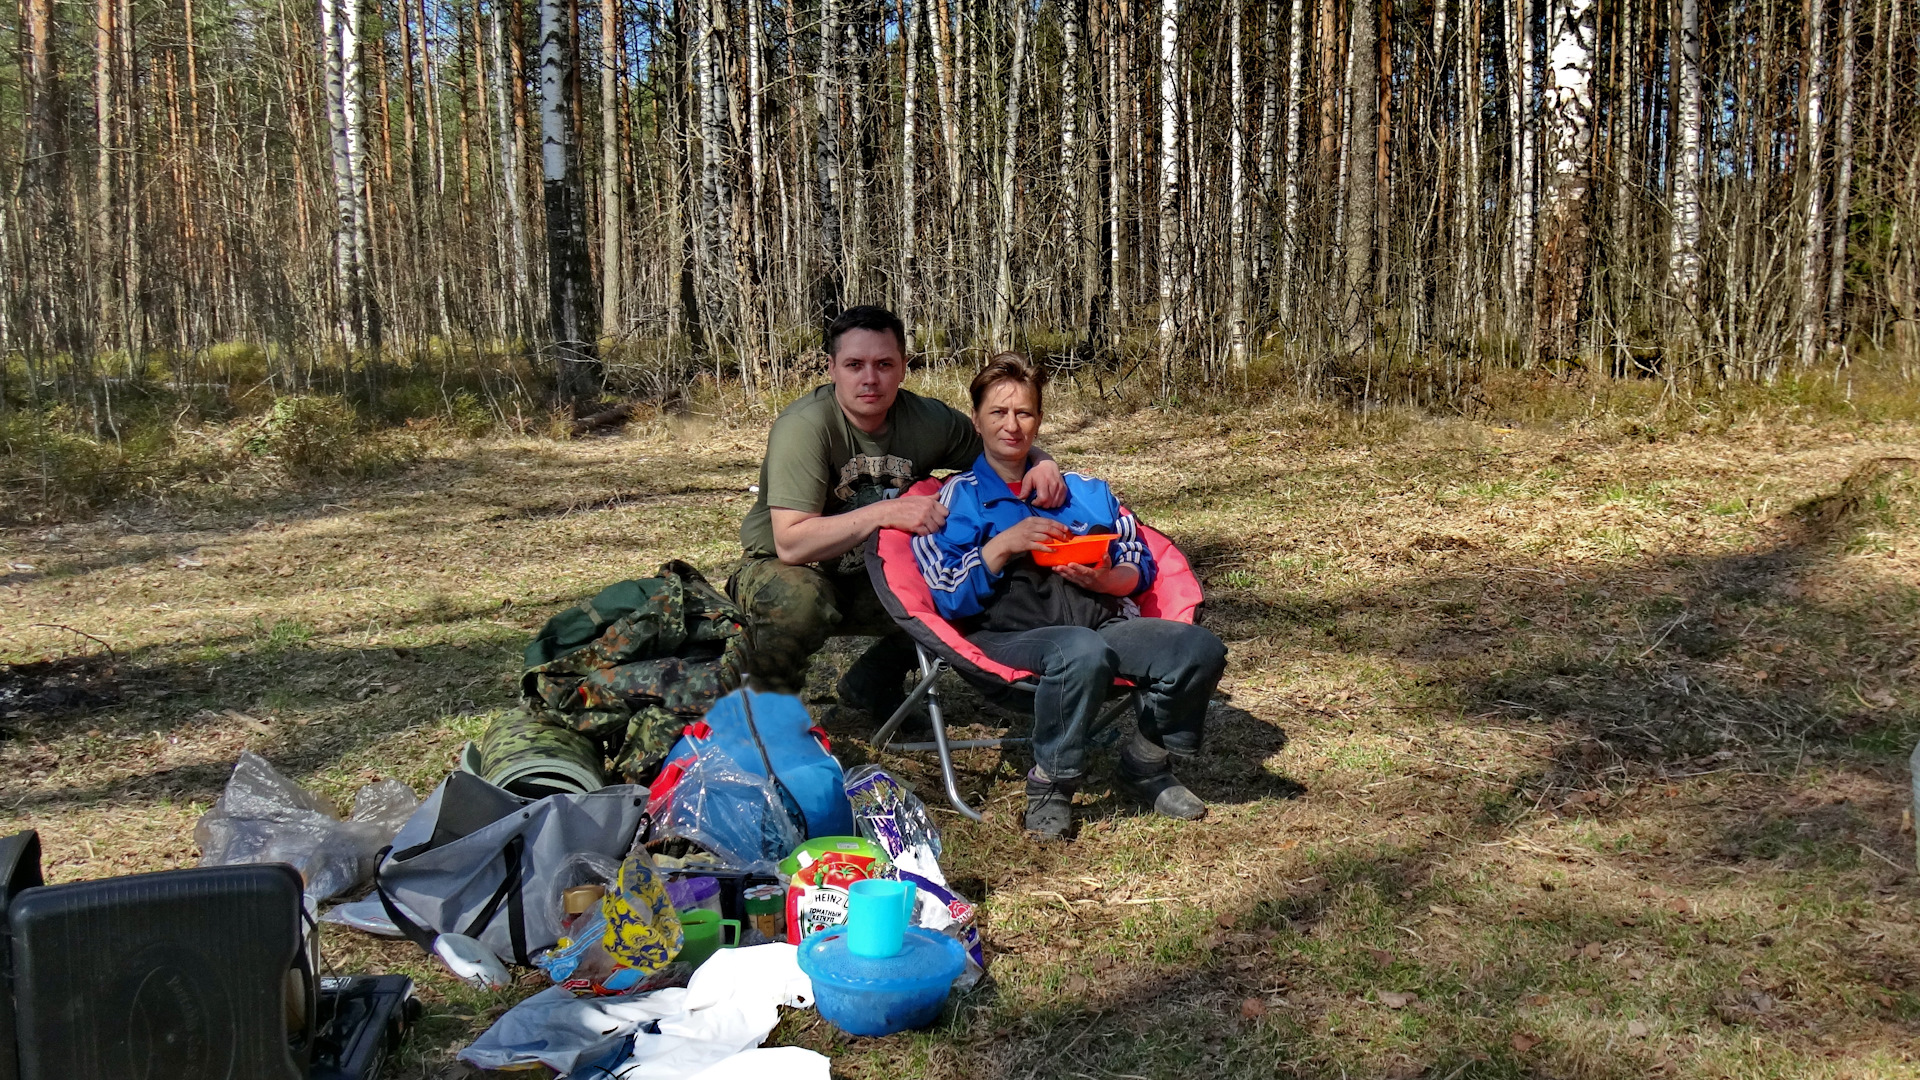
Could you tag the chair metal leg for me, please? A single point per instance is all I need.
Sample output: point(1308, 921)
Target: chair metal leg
point(947, 772)
point(926, 692)
point(923, 689)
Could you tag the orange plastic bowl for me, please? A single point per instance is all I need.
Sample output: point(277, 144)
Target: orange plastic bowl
point(1086, 550)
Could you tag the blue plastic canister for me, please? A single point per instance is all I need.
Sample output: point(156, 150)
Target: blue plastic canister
point(866, 996)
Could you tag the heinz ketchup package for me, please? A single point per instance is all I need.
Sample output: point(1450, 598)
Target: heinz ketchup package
point(821, 872)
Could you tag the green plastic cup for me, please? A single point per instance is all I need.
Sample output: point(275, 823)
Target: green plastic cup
point(705, 931)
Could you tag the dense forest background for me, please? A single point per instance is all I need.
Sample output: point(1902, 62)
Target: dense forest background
point(1388, 195)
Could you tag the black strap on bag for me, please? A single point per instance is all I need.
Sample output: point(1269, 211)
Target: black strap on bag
point(514, 853)
point(794, 811)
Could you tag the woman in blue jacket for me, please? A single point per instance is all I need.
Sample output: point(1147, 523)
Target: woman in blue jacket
point(1076, 627)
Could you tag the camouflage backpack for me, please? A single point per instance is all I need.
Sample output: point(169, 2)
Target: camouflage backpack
point(630, 667)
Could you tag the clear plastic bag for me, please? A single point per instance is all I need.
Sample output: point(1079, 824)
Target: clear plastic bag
point(627, 940)
point(263, 817)
point(731, 812)
point(888, 813)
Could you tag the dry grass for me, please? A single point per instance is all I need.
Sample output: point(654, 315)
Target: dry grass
point(1545, 750)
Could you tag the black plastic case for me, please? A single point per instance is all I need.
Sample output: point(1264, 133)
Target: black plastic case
point(181, 975)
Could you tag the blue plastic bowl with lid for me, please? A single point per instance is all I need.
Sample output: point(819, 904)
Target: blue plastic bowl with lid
point(866, 996)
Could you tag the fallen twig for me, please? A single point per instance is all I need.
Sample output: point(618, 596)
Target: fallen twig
point(111, 655)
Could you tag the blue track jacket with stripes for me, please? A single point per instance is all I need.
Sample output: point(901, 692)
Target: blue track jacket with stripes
point(980, 505)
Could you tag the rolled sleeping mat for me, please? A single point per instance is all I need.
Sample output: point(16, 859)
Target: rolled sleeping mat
point(535, 760)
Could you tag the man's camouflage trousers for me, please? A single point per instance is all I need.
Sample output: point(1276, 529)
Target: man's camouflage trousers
point(791, 611)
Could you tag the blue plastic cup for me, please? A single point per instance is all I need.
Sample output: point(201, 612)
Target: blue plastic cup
point(878, 912)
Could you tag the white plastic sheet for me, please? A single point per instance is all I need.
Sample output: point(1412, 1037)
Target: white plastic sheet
point(725, 1012)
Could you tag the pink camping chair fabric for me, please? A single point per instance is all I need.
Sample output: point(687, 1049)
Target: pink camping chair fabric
point(1175, 594)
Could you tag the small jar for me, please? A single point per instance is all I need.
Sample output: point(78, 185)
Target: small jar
point(688, 893)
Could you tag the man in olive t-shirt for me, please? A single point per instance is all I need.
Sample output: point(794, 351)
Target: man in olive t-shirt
point(837, 460)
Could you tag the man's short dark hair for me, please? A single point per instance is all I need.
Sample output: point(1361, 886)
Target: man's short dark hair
point(866, 317)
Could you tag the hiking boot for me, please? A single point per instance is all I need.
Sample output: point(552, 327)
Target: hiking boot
point(873, 683)
point(1157, 787)
point(1049, 807)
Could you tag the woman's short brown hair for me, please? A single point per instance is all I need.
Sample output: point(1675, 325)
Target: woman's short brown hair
point(1008, 367)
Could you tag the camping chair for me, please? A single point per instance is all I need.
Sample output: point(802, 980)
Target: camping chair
point(1175, 594)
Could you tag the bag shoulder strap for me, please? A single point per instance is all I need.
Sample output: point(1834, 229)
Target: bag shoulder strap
point(509, 892)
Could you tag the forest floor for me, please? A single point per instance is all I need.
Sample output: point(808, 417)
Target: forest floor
point(1574, 749)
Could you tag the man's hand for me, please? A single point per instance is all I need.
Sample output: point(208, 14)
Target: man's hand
point(1043, 485)
point(1105, 578)
point(1031, 534)
point(916, 514)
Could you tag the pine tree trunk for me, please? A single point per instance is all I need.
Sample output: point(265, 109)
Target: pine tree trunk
point(910, 19)
point(828, 276)
point(511, 184)
point(1001, 326)
point(1842, 183)
point(1363, 93)
point(611, 322)
point(570, 318)
point(133, 313)
point(105, 230)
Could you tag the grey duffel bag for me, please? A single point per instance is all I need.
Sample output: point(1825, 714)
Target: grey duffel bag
point(473, 859)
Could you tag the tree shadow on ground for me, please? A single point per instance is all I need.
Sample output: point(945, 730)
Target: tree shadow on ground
point(1673, 659)
point(305, 707)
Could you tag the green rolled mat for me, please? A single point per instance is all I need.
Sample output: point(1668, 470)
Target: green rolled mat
point(534, 760)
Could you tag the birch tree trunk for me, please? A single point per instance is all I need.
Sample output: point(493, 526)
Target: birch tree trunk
point(1269, 151)
point(569, 304)
point(1118, 144)
point(610, 202)
point(1072, 14)
point(910, 19)
point(756, 136)
point(1237, 193)
point(716, 198)
point(1568, 112)
point(1169, 223)
point(1290, 200)
point(1813, 135)
point(1683, 265)
point(334, 44)
point(1520, 121)
point(362, 304)
point(1001, 326)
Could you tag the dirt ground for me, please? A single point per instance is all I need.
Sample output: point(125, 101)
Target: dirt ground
point(1572, 750)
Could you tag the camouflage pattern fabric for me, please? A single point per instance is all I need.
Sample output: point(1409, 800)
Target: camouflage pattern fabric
point(791, 611)
point(629, 668)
